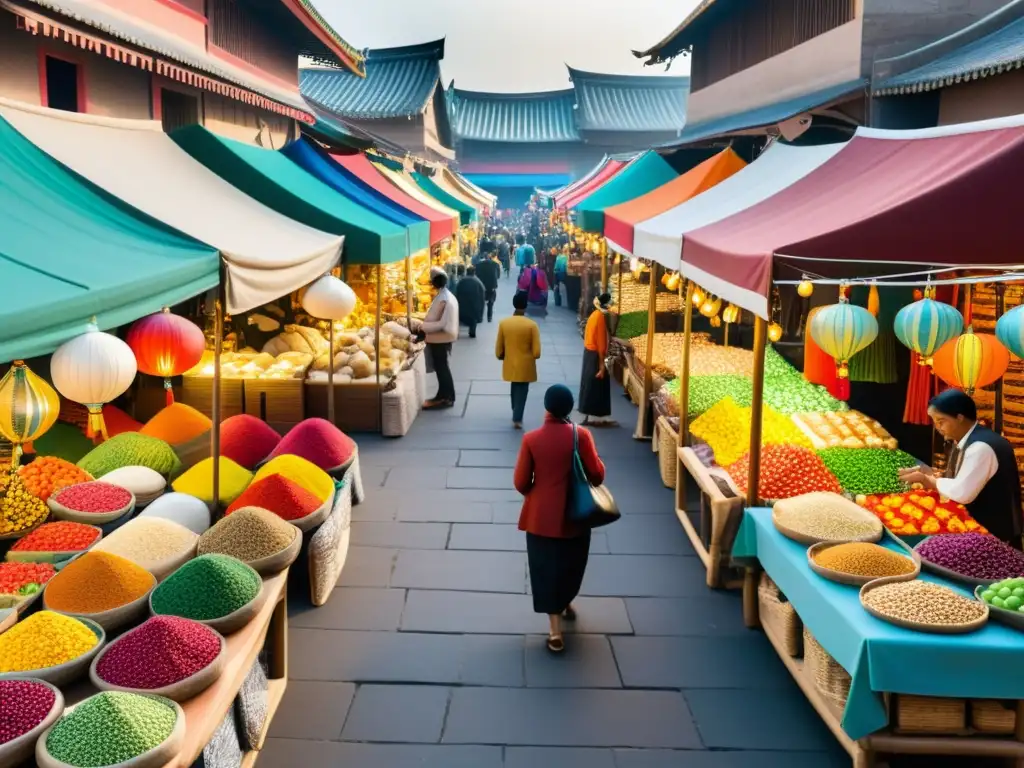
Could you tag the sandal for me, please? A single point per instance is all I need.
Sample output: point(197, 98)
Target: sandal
point(555, 644)
point(569, 614)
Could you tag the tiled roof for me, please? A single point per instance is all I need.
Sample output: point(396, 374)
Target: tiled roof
point(349, 54)
point(629, 102)
point(399, 82)
point(670, 47)
point(513, 117)
point(991, 46)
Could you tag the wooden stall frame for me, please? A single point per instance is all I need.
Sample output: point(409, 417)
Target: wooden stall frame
point(643, 416)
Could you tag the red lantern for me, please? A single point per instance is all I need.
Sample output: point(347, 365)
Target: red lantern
point(166, 345)
point(971, 361)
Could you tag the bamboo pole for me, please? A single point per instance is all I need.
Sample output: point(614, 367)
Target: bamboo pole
point(997, 422)
point(756, 411)
point(604, 266)
point(652, 304)
point(215, 406)
point(684, 367)
point(330, 376)
point(376, 346)
point(408, 292)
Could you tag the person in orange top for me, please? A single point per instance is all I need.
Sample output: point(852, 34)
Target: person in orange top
point(595, 386)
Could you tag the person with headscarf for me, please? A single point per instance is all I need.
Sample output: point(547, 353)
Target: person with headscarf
point(557, 549)
point(981, 472)
point(595, 386)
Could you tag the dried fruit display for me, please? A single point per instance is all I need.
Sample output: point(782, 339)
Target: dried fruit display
point(921, 512)
point(786, 471)
point(726, 428)
point(844, 429)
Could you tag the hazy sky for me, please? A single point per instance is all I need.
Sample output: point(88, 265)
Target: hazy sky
point(516, 45)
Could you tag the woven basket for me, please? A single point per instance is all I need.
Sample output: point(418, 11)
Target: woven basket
point(780, 616)
point(668, 462)
point(931, 715)
point(994, 717)
point(828, 676)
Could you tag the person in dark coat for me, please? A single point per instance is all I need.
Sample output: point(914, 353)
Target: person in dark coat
point(471, 294)
point(556, 549)
point(489, 272)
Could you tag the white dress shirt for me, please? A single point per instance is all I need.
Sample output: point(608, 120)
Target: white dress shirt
point(978, 465)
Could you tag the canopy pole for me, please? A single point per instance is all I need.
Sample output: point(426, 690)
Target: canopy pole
point(330, 377)
point(756, 411)
point(408, 292)
point(376, 346)
point(604, 265)
point(645, 396)
point(215, 406)
point(684, 368)
point(997, 422)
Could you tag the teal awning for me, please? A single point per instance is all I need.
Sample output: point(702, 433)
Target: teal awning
point(467, 214)
point(69, 252)
point(278, 183)
point(647, 173)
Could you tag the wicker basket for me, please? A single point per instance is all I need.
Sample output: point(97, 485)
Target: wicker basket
point(279, 402)
point(931, 715)
point(667, 441)
point(197, 391)
point(780, 616)
point(828, 676)
point(994, 717)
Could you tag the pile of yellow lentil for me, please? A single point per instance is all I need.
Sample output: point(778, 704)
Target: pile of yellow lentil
point(862, 559)
point(44, 639)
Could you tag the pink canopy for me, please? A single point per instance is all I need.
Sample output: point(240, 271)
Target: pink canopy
point(606, 174)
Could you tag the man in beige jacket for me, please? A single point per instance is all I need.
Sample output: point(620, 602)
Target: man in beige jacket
point(440, 328)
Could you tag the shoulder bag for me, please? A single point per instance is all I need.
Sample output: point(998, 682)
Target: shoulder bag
point(589, 505)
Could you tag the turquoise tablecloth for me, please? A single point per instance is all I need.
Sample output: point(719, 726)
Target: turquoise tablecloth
point(881, 657)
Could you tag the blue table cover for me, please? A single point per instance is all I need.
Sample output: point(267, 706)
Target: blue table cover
point(881, 657)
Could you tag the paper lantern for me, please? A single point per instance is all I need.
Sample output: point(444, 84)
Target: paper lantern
point(328, 298)
point(28, 407)
point(926, 325)
point(805, 289)
point(731, 314)
point(166, 345)
point(971, 361)
point(1010, 330)
point(697, 296)
point(843, 330)
point(93, 369)
point(774, 332)
point(673, 281)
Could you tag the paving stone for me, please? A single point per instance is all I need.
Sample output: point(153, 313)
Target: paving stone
point(312, 710)
point(445, 512)
point(713, 614)
point(746, 662)
point(770, 720)
point(661, 758)
point(472, 477)
point(374, 657)
point(584, 718)
point(388, 457)
point(502, 538)
point(461, 570)
point(414, 478)
point(368, 567)
point(587, 663)
point(507, 512)
point(487, 458)
point(540, 757)
point(492, 660)
point(495, 613)
point(644, 576)
point(374, 477)
point(397, 713)
point(289, 753)
point(648, 535)
point(356, 608)
point(400, 535)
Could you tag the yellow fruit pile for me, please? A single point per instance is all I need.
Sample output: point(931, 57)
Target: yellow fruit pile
point(726, 429)
point(19, 509)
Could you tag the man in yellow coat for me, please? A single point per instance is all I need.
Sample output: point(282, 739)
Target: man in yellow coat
point(518, 346)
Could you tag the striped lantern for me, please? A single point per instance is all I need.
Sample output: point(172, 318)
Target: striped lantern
point(926, 325)
point(28, 406)
point(1010, 330)
point(843, 330)
point(166, 345)
point(971, 361)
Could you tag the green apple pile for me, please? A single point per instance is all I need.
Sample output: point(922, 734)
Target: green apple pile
point(1007, 594)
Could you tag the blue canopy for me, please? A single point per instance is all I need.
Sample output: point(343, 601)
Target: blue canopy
point(495, 181)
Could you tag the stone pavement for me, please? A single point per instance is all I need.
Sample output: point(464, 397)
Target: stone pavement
point(429, 653)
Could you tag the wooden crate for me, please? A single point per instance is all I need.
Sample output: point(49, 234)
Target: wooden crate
point(197, 391)
point(279, 402)
point(356, 406)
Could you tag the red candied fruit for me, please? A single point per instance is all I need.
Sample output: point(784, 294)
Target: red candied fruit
point(96, 497)
point(62, 536)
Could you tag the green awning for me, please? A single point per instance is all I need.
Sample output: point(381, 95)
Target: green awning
point(647, 173)
point(70, 252)
point(467, 214)
point(278, 183)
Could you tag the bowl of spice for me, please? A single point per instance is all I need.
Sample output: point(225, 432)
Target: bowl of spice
point(857, 562)
point(95, 502)
point(923, 606)
point(106, 588)
point(218, 590)
point(821, 516)
point(24, 582)
point(289, 499)
point(319, 442)
point(160, 546)
point(49, 646)
point(165, 655)
point(27, 708)
point(971, 558)
point(54, 543)
point(255, 536)
point(113, 728)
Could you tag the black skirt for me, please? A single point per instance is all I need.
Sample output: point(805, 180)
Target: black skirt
point(556, 570)
point(595, 393)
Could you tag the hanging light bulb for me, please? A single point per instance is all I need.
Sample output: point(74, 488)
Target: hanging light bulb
point(731, 314)
point(708, 307)
point(716, 322)
point(774, 332)
point(697, 296)
point(805, 288)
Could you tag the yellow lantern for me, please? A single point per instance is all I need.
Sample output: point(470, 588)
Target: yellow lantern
point(673, 282)
point(805, 288)
point(697, 296)
point(774, 332)
point(716, 322)
point(708, 307)
point(28, 407)
point(731, 314)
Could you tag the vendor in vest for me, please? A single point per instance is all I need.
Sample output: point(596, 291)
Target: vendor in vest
point(982, 470)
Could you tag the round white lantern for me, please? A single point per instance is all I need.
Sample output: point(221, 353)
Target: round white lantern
point(329, 299)
point(93, 369)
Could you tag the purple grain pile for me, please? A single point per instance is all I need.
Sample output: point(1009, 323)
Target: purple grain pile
point(975, 555)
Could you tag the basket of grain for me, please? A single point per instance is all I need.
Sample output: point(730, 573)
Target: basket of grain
point(855, 563)
point(923, 606)
point(822, 516)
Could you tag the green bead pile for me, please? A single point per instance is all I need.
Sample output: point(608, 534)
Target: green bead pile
point(131, 449)
point(631, 325)
point(206, 588)
point(706, 391)
point(867, 470)
point(110, 728)
point(787, 391)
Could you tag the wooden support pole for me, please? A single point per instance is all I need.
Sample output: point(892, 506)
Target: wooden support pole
point(645, 398)
point(756, 411)
point(330, 376)
point(376, 344)
point(408, 292)
point(997, 422)
point(684, 367)
point(604, 266)
point(215, 406)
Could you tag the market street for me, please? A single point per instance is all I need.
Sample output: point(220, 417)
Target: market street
point(429, 653)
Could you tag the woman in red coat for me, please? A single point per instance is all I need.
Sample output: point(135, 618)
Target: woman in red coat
point(557, 550)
